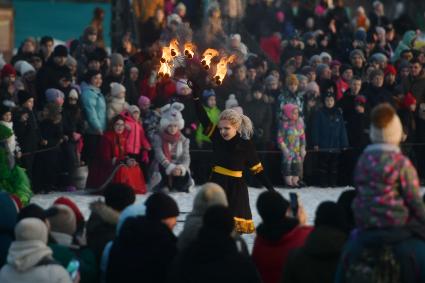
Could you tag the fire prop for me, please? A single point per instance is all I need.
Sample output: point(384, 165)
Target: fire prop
point(207, 57)
point(172, 53)
point(222, 68)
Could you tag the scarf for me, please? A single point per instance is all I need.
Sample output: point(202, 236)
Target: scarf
point(167, 140)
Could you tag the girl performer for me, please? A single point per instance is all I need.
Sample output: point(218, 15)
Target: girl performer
point(232, 151)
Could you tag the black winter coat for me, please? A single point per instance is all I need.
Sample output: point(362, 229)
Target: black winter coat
point(142, 252)
point(260, 114)
point(213, 258)
point(317, 260)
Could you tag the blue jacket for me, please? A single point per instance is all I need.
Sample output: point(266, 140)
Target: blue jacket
point(8, 219)
point(94, 106)
point(328, 129)
point(408, 250)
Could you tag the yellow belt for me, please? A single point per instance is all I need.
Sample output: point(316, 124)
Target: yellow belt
point(227, 172)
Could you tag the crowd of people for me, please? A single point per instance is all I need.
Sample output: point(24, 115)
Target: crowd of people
point(335, 93)
point(308, 85)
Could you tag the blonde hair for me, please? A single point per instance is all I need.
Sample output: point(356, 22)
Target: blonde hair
point(241, 122)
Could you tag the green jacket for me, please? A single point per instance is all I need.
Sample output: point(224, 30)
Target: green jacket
point(214, 115)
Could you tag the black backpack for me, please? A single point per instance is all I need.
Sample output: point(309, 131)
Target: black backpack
point(375, 265)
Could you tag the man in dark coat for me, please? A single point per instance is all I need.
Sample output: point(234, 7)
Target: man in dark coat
point(415, 83)
point(101, 226)
point(214, 257)
point(317, 260)
point(47, 74)
point(146, 245)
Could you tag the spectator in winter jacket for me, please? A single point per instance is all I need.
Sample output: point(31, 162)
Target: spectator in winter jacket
point(386, 181)
point(74, 128)
point(343, 83)
point(277, 235)
point(8, 221)
point(291, 95)
point(101, 226)
point(346, 103)
point(116, 73)
point(213, 256)
point(116, 101)
point(172, 151)
point(145, 245)
point(46, 178)
point(210, 106)
point(317, 259)
point(376, 93)
point(261, 115)
point(291, 141)
point(29, 258)
point(150, 118)
point(94, 107)
point(63, 227)
point(113, 163)
point(47, 74)
point(138, 145)
point(210, 195)
point(330, 137)
point(6, 120)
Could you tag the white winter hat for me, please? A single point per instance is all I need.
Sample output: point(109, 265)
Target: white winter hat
point(231, 102)
point(133, 108)
point(24, 67)
point(171, 115)
point(324, 55)
point(116, 88)
point(385, 126)
point(31, 229)
point(73, 93)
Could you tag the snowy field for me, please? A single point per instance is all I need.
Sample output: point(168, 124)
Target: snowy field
point(309, 197)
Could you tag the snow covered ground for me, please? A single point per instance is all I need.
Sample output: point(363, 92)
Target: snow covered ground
point(309, 197)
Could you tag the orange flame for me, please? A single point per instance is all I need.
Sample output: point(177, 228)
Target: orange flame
point(207, 57)
point(189, 50)
point(174, 47)
point(166, 55)
point(164, 70)
point(222, 68)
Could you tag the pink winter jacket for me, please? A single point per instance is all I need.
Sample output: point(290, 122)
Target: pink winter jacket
point(136, 139)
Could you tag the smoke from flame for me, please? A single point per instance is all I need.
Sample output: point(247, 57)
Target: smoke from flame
point(207, 57)
point(222, 68)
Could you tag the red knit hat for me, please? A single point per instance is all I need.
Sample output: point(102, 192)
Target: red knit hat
point(72, 205)
point(408, 100)
point(7, 71)
point(390, 69)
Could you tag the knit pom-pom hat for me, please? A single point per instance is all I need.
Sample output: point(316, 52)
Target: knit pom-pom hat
point(385, 125)
point(288, 109)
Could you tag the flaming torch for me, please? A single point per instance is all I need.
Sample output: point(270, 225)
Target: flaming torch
point(207, 57)
point(174, 48)
point(166, 62)
point(222, 68)
point(189, 50)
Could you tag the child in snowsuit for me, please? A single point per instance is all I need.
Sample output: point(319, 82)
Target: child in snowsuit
point(292, 143)
point(387, 184)
point(210, 106)
point(329, 137)
point(172, 151)
point(116, 102)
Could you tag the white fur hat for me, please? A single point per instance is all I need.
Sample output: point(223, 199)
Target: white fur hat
point(231, 102)
point(385, 126)
point(171, 115)
point(116, 89)
point(133, 108)
point(24, 67)
point(31, 229)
